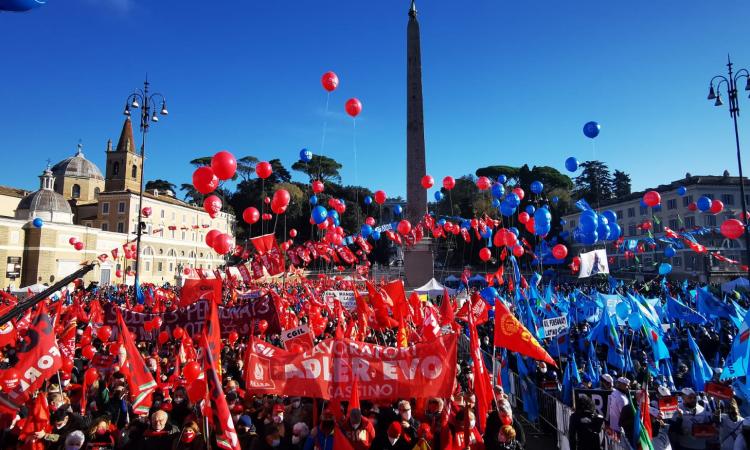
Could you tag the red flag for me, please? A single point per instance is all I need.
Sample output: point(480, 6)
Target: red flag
point(482, 383)
point(645, 412)
point(478, 307)
point(213, 333)
point(447, 316)
point(8, 333)
point(416, 308)
point(264, 243)
point(395, 290)
point(197, 289)
point(226, 436)
point(38, 420)
point(512, 335)
point(340, 442)
point(140, 381)
point(430, 325)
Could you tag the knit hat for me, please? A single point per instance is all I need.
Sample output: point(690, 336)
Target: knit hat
point(394, 430)
point(75, 438)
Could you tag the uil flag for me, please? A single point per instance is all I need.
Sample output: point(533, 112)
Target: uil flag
point(593, 263)
point(511, 334)
point(226, 436)
point(140, 381)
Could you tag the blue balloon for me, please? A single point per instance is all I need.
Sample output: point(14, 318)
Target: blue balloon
point(537, 187)
point(466, 224)
point(588, 224)
point(442, 222)
point(332, 213)
point(507, 209)
point(563, 221)
point(643, 204)
point(610, 215)
point(614, 232)
point(313, 199)
point(530, 209)
point(589, 213)
point(682, 190)
point(555, 199)
point(514, 230)
point(590, 238)
point(397, 210)
point(565, 234)
point(498, 190)
point(305, 155)
point(38, 222)
point(603, 230)
point(622, 310)
point(20, 5)
point(502, 179)
point(669, 252)
point(368, 200)
point(665, 268)
point(489, 294)
point(495, 203)
point(704, 203)
point(513, 199)
point(542, 217)
point(634, 320)
point(656, 208)
point(365, 231)
point(571, 164)
point(438, 196)
point(486, 233)
point(319, 214)
point(375, 235)
point(591, 129)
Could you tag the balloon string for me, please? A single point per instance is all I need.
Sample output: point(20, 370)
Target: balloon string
point(356, 181)
point(325, 131)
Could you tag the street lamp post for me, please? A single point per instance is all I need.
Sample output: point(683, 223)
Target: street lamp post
point(141, 98)
point(734, 110)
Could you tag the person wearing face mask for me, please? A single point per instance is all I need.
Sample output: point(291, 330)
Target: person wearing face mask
point(159, 435)
point(393, 439)
point(321, 437)
point(433, 418)
point(273, 439)
point(462, 432)
point(246, 432)
point(409, 424)
point(358, 430)
point(300, 431)
point(585, 426)
point(63, 423)
point(74, 441)
point(181, 406)
point(296, 412)
point(190, 438)
point(100, 436)
point(690, 414)
point(618, 400)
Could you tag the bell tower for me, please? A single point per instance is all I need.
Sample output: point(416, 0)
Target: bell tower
point(124, 165)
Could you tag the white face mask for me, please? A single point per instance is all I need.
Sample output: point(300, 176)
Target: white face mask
point(295, 439)
point(406, 415)
point(275, 442)
point(392, 440)
point(279, 418)
point(356, 425)
point(295, 404)
point(543, 369)
point(472, 424)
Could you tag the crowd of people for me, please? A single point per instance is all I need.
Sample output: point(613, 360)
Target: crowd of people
point(98, 412)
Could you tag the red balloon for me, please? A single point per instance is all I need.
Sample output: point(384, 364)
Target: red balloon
point(293, 233)
point(353, 107)
point(72, 241)
point(223, 244)
point(280, 201)
point(266, 216)
point(147, 211)
point(449, 183)
point(11, 379)
point(211, 236)
point(523, 217)
point(178, 333)
point(530, 226)
point(693, 207)
point(267, 200)
point(732, 228)
point(157, 322)
point(250, 215)
point(233, 336)
point(85, 340)
point(262, 326)
point(224, 165)
point(191, 371)
point(427, 181)
point(197, 391)
point(163, 337)
point(90, 376)
point(78, 246)
point(559, 251)
point(519, 192)
point(646, 225)
point(717, 206)
point(88, 352)
point(518, 251)
point(651, 198)
point(329, 81)
point(404, 227)
point(504, 237)
point(318, 186)
point(104, 333)
point(118, 273)
point(212, 205)
point(483, 183)
point(380, 197)
point(263, 169)
point(67, 365)
point(370, 221)
point(205, 180)
point(285, 245)
point(485, 254)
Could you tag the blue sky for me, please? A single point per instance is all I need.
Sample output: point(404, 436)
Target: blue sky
point(504, 83)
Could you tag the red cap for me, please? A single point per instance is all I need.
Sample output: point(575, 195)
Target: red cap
point(278, 407)
point(395, 429)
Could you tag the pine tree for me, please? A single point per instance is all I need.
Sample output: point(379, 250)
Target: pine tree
point(620, 184)
point(594, 184)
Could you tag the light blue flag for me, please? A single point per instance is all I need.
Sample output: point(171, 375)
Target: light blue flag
point(739, 355)
point(528, 390)
point(701, 371)
point(680, 311)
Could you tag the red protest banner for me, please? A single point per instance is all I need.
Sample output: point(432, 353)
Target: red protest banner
point(668, 406)
point(300, 336)
point(719, 390)
point(704, 430)
point(327, 371)
point(242, 319)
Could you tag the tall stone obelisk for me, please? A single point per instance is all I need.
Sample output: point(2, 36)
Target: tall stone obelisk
point(418, 259)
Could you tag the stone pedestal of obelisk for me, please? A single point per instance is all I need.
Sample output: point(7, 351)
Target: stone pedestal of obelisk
point(418, 260)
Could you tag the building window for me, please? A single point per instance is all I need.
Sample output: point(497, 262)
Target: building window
point(619, 214)
point(677, 261)
point(658, 226)
point(96, 192)
point(690, 222)
point(572, 223)
point(115, 168)
point(134, 171)
point(711, 196)
point(173, 215)
point(673, 224)
point(184, 218)
point(162, 213)
point(148, 266)
point(727, 199)
point(159, 267)
point(672, 203)
point(183, 235)
point(686, 200)
point(105, 208)
point(631, 212)
point(121, 207)
point(171, 267)
point(105, 226)
point(709, 221)
point(76, 191)
point(644, 210)
point(632, 229)
point(120, 227)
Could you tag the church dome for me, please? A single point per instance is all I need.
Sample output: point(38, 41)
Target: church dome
point(77, 166)
point(45, 203)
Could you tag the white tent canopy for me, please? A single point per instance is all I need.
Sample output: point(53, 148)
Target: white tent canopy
point(433, 288)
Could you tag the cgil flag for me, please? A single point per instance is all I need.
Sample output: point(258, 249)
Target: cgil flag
point(511, 334)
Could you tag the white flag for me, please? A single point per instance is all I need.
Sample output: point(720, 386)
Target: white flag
point(593, 263)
